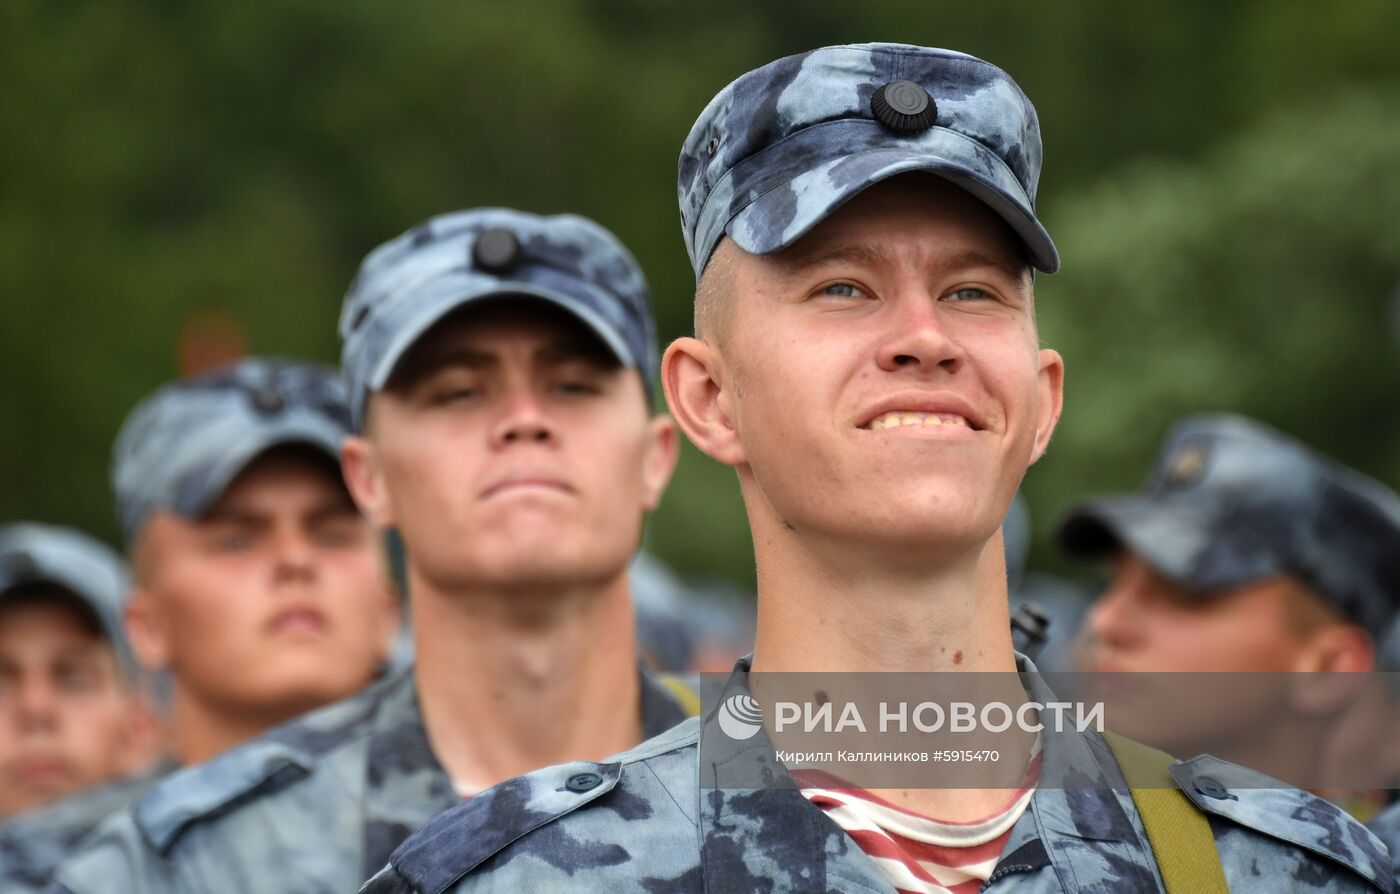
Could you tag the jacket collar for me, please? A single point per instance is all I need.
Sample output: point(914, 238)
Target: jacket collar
point(406, 786)
point(769, 832)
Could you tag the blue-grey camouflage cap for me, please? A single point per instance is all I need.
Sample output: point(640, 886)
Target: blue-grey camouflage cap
point(182, 446)
point(410, 283)
point(783, 146)
point(1232, 501)
point(89, 569)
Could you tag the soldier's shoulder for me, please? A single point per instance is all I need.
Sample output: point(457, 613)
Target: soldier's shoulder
point(33, 844)
point(1268, 832)
point(559, 825)
point(1386, 824)
point(256, 770)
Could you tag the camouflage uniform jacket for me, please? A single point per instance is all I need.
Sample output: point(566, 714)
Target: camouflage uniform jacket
point(316, 805)
point(1386, 826)
point(34, 843)
point(648, 824)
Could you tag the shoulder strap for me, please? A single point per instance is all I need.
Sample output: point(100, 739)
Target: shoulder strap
point(1179, 834)
point(682, 691)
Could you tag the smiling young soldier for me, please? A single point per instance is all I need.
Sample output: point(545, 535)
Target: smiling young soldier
point(861, 223)
point(500, 367)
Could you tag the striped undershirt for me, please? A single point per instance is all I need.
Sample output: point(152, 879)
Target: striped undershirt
point(916, 853)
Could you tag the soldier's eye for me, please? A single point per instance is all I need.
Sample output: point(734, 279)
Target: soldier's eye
point(455, 395)
point(226, 537)
point(72, 678)
point(337, 532)
point(969, 293)
point(843, 290)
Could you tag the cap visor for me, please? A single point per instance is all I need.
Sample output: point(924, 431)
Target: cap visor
point(195, 497)
point(1168, 540)
point(444, 297)
point(781, 216)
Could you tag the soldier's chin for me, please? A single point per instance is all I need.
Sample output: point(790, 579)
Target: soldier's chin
point(920, 535)
point(295, 692)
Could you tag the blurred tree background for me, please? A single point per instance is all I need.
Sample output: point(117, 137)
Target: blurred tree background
point(1223, 181)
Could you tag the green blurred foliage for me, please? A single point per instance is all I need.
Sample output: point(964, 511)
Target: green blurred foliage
point(164, 158)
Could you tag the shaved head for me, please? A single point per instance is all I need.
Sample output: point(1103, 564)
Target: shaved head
point(714, 295)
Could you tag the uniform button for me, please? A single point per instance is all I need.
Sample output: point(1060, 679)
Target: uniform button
point(1211, 788)
point(583, 782)
point(496, 250)
point(267, 401)
point(903, 106)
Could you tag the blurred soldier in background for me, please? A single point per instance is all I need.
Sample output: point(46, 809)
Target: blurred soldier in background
point(76, 730)
point(259, 588)
point(501, 367)
point(260, 591)
point(1366, 745)
point(71, 712)
point(1247, 551)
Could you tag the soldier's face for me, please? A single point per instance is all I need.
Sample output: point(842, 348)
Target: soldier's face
point(881, 382)
point(512, 451)
point(1147, 622)
point(1193, 672)
point(66, 715)
point(276, 601)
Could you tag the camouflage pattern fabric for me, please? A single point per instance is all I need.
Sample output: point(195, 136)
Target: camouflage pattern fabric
point(33, 844)
point(91, 570)
point(182, 446)
point(784, 145)
point(648, 824)
point(315, 805)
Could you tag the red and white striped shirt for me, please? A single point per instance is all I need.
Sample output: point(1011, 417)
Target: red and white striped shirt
point(919, 854)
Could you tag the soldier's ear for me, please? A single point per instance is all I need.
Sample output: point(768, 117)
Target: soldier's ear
point(364, 478)
point(699, 391)
point(146, 630)
point(1052, 397)
point(663, 450)
point(1334, 665)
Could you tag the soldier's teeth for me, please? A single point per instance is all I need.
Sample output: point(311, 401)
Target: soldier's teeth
point(898, 418)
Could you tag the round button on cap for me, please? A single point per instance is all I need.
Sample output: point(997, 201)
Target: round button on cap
point(496, 250)
point(904, 106)
point(583, 782)
point(266, 400)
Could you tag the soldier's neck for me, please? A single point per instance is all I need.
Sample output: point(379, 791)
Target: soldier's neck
point(512, 681)
point(829, 606)
point(202, 729)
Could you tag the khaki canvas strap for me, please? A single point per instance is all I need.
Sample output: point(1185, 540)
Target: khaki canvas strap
point(1178, 832)
point(684, 694)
